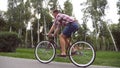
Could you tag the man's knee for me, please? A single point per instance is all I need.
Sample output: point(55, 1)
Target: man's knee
point(62, 36)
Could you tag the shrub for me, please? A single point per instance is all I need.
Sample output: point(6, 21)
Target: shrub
point(9, 41)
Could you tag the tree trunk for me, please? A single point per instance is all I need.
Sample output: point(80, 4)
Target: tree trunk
point(38, 31)
point(32, 45)
point(10, 29)
point(26, 38)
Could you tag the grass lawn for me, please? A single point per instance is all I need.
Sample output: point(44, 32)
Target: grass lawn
point(105, 58)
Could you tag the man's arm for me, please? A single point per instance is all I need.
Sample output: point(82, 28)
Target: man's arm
point(56, 25)
point(56, 31)
point(52, 29)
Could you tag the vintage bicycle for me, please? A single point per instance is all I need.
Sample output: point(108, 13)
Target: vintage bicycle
point(84, 55)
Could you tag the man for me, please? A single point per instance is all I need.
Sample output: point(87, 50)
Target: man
point(70, 26)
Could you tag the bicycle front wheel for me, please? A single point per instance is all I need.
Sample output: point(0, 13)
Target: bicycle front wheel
point(45, 52)
point(82, 54)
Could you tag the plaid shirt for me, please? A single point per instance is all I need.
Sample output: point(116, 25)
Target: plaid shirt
point(63, 19)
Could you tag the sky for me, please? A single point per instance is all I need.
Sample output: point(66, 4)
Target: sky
point(111, 12)
point(3, 5)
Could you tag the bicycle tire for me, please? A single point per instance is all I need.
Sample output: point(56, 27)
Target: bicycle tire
point(45, 52)
point(84, 55)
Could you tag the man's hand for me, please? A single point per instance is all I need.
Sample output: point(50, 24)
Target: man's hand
point(50, 35)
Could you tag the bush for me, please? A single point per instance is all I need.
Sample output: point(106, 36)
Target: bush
point(9, 41)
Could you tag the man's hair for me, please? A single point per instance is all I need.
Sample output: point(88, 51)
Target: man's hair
point(56, 11)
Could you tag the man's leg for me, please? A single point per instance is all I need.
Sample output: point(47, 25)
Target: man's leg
point(62, 44)
point(67, 43)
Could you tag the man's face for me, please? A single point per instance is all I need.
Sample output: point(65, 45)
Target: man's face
point(54, 14)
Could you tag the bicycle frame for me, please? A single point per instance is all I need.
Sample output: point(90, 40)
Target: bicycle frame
point(54, 43)
point(51, 40)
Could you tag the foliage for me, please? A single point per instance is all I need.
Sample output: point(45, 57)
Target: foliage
point(20, 13)
point(53, 4)
point(44, 20)
point(118, 5)
point(116, 33)
point(68, 8)
point(2, 23)
point(95, 10)
point(9, 41)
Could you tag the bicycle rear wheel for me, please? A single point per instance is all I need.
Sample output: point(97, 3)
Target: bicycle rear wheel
point(45, 52)
point(82, 54)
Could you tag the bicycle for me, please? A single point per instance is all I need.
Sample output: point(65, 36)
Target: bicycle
point(84, 55)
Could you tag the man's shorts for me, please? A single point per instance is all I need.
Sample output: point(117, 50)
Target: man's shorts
point(70, 28)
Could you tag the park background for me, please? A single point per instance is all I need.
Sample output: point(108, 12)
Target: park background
point(24, 21)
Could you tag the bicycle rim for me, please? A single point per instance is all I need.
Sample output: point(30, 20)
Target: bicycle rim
point(84, 54)
point(45, 52)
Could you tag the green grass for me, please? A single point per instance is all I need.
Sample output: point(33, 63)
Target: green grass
point(105, 58)
point(108, 58)
point(20, 53)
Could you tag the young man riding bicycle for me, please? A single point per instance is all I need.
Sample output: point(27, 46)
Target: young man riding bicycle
point(70, 26)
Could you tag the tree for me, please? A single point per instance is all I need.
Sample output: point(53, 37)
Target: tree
point(18, 15)
point(2, 23)
point(118, 5)
point(116, 33)
point(10, 13)
point(96, 10)
point(68, 8)
point(42, 11)
point(53, 4)
point(116, 28)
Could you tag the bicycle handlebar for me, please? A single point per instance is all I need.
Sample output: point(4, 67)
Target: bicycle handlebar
point(52, 35)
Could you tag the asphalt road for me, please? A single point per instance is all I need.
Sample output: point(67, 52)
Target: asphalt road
point(9, 62)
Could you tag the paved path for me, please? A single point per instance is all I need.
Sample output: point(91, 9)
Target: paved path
point(9, 62)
